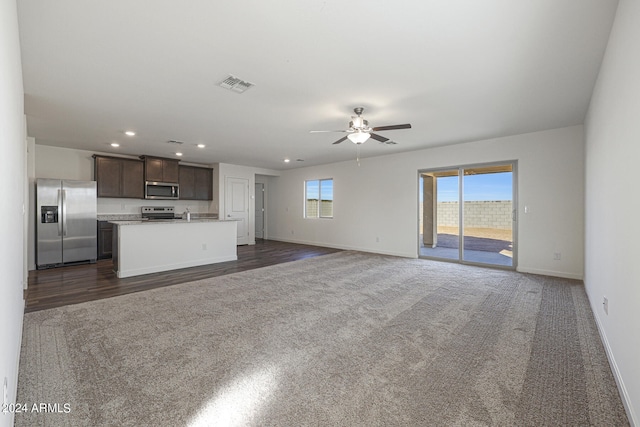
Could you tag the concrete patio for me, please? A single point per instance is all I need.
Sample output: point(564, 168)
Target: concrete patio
point(481, 245)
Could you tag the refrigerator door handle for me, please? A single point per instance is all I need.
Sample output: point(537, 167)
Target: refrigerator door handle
point(59, 223)
point(64, 212)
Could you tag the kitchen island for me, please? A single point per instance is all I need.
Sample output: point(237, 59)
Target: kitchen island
point(143, 247)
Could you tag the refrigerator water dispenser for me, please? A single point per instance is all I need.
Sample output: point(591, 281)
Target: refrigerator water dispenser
point(49, 214)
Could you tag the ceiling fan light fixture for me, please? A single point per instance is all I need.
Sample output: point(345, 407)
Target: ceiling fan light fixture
point(359, 130)
point(358, 137)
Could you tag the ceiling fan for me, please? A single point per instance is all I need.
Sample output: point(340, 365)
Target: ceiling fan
point(359, 130)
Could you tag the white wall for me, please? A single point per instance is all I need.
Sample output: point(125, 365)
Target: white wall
point(12, 216)
point(612, 256)
point(30, 247)
point(63, 163)
point(379, 199)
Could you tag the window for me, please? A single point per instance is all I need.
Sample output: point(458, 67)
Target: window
point(318, 198)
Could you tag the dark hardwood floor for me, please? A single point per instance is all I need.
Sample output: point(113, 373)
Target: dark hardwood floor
point(74, 284)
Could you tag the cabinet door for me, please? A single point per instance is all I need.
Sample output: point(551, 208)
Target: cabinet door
point(105, 240)
point(187, 182)
point(203, 184)
point(170, 171)
point(153, 169)
point(107, 174)
point(132, 179)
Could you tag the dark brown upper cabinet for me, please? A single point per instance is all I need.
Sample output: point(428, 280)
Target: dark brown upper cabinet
point(158, 169)
point(196, 183)
point(119, 177)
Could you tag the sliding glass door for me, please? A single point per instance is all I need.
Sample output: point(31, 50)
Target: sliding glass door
point(467, 214)
point(440, 233)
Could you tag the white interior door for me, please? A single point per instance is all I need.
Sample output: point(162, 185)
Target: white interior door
point(236, 206)
point(259, 218)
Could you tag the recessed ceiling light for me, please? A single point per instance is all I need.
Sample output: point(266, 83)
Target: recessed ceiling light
point(115, 144)
point(201, 145)
point(178, 154)
point(287, 160)
point(130, 133)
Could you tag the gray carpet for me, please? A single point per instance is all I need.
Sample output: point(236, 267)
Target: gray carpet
point(347, 339)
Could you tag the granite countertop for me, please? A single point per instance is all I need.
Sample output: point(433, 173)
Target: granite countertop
point(119, 217)
point(166, 221)
point(138, 217)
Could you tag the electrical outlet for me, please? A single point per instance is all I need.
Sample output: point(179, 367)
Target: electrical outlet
point(204, 246)
point(557, 256)
point(377, 239)
point(605, 305)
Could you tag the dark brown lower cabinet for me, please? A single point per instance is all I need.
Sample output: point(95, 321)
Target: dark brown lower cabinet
point(105, 237)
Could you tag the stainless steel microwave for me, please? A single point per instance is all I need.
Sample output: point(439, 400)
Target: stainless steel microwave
point(161, 190)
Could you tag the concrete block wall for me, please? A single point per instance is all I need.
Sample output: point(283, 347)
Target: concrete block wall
point(480, 214)
point(326, 207)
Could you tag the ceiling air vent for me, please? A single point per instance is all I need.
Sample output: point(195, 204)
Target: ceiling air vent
point(235, 84)
point(173, 141)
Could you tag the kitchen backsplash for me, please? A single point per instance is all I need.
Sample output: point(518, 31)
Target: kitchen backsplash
point(107, 206)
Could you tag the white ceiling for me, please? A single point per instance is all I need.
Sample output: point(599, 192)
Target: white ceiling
point(457, 70)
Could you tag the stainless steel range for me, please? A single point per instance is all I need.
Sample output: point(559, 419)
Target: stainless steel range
point(158, 213)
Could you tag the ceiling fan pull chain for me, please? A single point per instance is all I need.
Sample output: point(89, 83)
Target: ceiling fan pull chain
point(358, 154)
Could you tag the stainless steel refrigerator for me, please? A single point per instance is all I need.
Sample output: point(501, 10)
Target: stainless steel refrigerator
point(66, 230)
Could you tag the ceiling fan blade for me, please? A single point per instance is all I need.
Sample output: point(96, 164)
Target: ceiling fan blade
point(324, 131)
point(392, 127)
point(378, 137)
point(340, 140)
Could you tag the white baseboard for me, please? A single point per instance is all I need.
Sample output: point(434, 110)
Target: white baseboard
point(553, 273)
point(624, 394)
point(14, 389)
point(345, 247)
point(414, 255)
